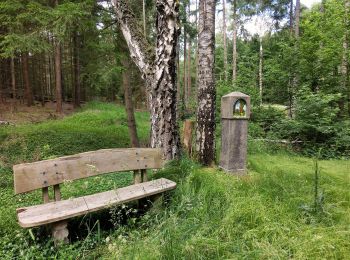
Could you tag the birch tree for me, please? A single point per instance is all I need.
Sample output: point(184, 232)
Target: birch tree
point(345, 57)
point(158, 68)
point(225, 37)
point(205, 133)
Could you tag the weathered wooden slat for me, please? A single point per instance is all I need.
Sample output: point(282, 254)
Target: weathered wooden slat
point(57, 192)
point(60, 210)
point(46, 198)
point(31, 176)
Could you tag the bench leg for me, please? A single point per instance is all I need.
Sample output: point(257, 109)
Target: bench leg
point(157, 199)
point(60, 232)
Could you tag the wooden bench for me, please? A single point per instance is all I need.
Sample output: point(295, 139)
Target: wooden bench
point(43, 174)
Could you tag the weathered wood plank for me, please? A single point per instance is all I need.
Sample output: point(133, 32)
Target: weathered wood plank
point(60, 210)
point(46, 198)
point(31, 176)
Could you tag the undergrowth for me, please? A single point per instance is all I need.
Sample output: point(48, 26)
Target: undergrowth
point(210, 215)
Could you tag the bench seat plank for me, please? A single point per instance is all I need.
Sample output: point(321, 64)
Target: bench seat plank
point(60, 210)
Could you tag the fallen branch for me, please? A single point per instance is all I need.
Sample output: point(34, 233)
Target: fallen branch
point(279, 141)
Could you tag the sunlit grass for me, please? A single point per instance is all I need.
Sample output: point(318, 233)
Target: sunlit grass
point(211, 215)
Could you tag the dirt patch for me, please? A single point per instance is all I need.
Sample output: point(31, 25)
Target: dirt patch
point(21, 114)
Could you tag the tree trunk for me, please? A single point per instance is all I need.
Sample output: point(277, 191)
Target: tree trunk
point(2, 79)
point(345, 59)
point(144, 16)
point(27, 85)
point(76, 64)
point(234, 54)
point(291, 17)
point(129, 106)
point(58, 77)
point(158, 69)
point(178, 85)
point(58, 73)
point(13, 80)
point(185, 69)
point(189, 78)
point(295, 80)
point(225, 38)
point(205, 143)
point(261, 72)
point(297, 18)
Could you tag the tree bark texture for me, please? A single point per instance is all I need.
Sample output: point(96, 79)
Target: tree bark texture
point(189, 78)
point(185, 68)
point(13, 79)
point(129, 106)
point(144, 16)
point(295, 79)
point(58, 73)
point(297, 18)
point(76, 65)
point(345, 66)
point(234, 54)
point(205, 133)
point(27, 85)
point(158, 69)
point(261, 72)
point(291, 16)
point(225, 38)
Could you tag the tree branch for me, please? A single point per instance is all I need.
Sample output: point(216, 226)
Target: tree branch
point(141, 52)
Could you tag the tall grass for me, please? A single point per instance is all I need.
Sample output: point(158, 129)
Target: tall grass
point(211, 215)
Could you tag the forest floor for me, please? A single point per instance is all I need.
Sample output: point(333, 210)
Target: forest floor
point(21, 113)
point(211, 215)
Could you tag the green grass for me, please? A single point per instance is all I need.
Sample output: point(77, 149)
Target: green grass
point(211, 215)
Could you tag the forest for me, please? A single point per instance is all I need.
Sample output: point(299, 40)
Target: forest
point(84, 75)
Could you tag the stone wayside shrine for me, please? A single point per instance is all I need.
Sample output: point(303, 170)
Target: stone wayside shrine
point(235, 112)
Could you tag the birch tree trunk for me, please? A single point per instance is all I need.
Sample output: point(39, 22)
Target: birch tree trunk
point(185, 68)
point(27, 85)
point(189, 78)
point(345, 59)
point(205, 133)
point(261, 72)
point(234, 54)
point(296, 57)
point(225, 38)
point(291, 16)
point(158, 68)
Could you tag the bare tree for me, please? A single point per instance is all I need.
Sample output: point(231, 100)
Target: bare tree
point(27, 85)
point(293, 89)
point(345, 66)
point(261, 71)
point(234, 54)
point(76, 65)
point(129, 106)
point(225, 37)
point(144, 16)
point(158, 68)
point(13, 80)
point(58, 72)
point(205, 133)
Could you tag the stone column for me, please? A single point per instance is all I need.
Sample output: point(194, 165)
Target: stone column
point(235, 112)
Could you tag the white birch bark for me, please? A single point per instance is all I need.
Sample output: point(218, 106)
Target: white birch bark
point(205, 133)
point(158, 68)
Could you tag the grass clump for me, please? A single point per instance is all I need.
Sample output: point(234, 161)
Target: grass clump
point(212, 215)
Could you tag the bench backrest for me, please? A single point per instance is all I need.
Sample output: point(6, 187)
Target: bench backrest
point(42, 174)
